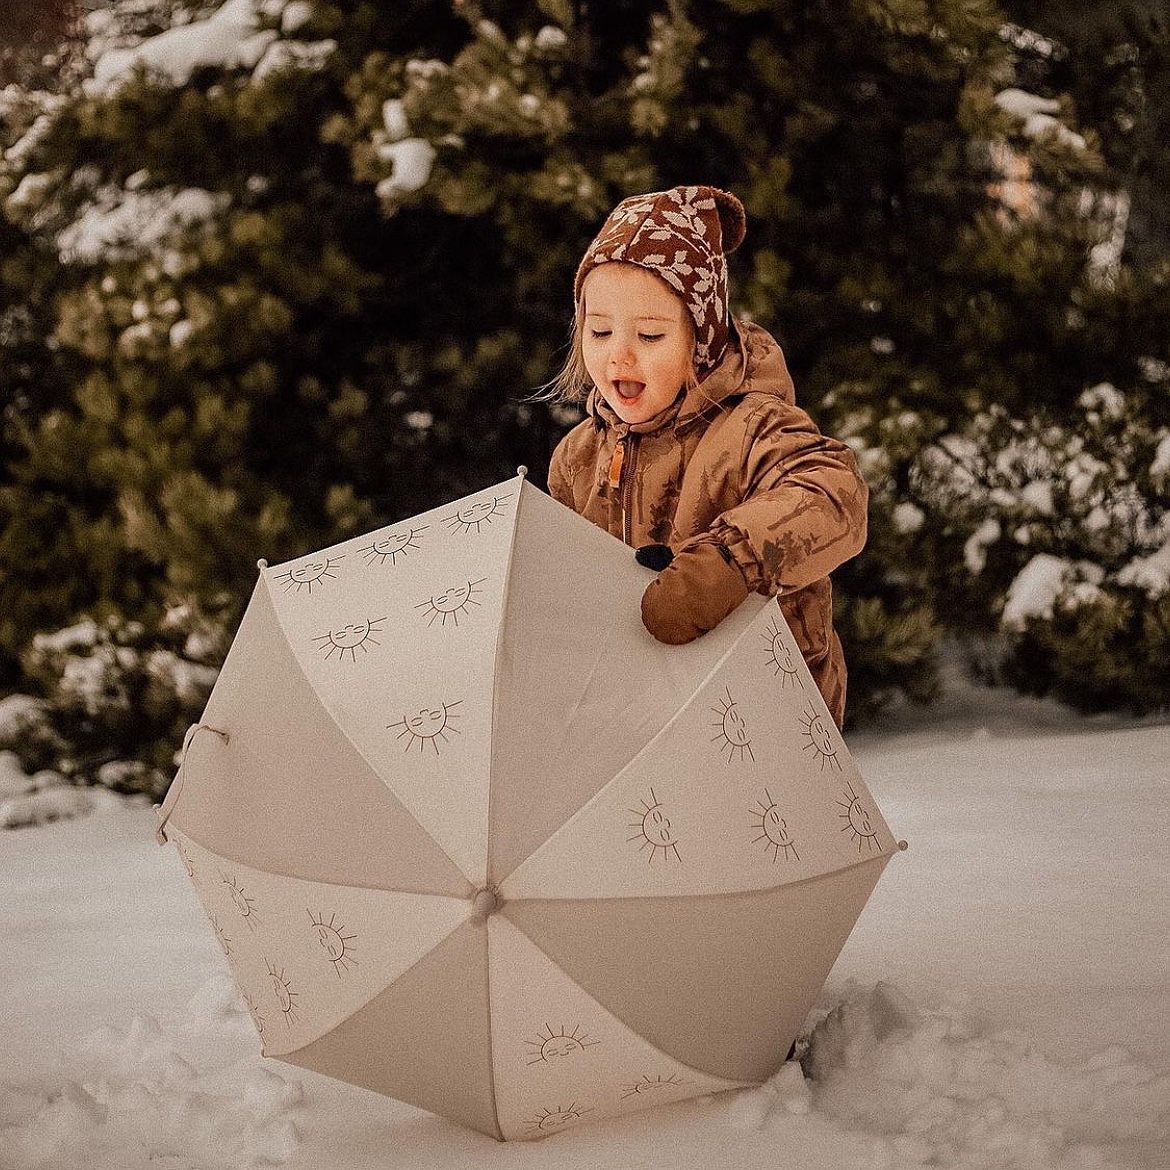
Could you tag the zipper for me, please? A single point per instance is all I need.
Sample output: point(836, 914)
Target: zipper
point(621, 479)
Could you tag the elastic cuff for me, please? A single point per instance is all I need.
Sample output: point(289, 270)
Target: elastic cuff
point(736, 547)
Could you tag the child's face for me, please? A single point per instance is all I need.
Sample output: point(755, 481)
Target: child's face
point(637, 340)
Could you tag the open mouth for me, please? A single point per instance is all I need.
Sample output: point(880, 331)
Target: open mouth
point(627, 391)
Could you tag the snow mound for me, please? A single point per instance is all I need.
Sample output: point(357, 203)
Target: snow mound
point(49, 804)
point(934, 1089)
point(132, 1102)
point(36, 799)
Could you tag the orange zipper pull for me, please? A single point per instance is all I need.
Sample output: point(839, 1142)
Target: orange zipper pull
point(615, 465)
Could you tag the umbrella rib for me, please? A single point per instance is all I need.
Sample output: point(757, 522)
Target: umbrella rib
point(500, 629)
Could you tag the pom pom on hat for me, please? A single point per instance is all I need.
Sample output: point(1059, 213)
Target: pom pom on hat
point(683, 235)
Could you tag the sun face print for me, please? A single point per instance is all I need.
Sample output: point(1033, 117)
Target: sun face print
point(551, 1046)
point(654, 830)
point(240, 900)
point(452, 604)
point(818, 739)
point(731, 734)
point(473, 517)
point(652, 1085)
point(427, 727)
point(773, 830)
point(345, 641)
point(333, 940)
point(282, 989)
point(857, 822)
point(312, 573)
point(390, 548)
point(550, 1120)
point(781, 658)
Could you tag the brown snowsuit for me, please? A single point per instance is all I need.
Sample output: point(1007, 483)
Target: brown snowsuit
point(736, 459)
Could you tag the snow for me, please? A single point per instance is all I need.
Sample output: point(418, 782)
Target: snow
point(1037, 115)
point(15, 712)
point(227, 39)
point(394, 120)
point(1160, 467)
point(908, 517)
point(411, 160)
point(1150, 574)
point(1043, 581)
point(40, 807)
point(303, 55)
point(122, 223)
point(295, 16)
point(1001, 1005)
point(976, 545)
point(551, 39)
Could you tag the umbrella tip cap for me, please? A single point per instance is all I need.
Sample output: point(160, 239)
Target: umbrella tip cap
point(262, 564)
point(522, 471)
point(484, 904)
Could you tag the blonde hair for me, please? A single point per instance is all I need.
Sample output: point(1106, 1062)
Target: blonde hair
point(572, 384)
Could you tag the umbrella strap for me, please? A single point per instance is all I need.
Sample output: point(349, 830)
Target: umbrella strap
point(167, 807)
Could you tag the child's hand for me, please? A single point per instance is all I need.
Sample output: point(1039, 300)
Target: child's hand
point(693, 594)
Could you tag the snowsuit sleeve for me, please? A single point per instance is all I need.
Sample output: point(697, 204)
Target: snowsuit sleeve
point(803, 506)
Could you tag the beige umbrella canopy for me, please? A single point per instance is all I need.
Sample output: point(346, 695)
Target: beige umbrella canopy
point(471, 838)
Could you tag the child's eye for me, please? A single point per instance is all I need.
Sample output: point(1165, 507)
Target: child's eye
point(651, 336)
point(599, 333)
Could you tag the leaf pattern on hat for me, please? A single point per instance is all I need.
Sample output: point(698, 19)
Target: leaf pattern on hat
point(694, 265)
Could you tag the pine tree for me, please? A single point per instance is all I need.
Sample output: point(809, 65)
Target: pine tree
point(350, 263)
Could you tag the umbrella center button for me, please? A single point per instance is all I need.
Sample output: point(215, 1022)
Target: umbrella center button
point(484, 904)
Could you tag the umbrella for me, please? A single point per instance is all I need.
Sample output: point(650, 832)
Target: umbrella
point(471, 838)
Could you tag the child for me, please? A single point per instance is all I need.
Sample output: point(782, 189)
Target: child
point(692, 438)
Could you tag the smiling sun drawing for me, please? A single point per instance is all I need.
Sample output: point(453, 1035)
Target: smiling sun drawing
point(347, 640)
point(550, 1045)
point(781, 658)
point(428, 726)
point(286, 997)
point(651, 1084)
point(390, 548)
point(474, 516)
point(452, 603)
point(548, 1120)
point(241, 901)
point(732, 734)
point(773, 829)
point(655, 832)
point(858, 823)
point(304, 576)
point(333, 940)
point(818, 739)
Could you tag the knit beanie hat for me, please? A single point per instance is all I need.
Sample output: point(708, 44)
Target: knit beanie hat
point(683, 235)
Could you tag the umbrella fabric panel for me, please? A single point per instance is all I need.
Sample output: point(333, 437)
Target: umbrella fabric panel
point(581, 686)
point(560, 1057)
point(396, 632)
point(305, 955)
point(262, 797)
point(722, 984)
point(748, 787)
point(426, 1040)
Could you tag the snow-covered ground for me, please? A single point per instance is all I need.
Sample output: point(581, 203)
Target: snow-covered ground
point(1002, 1004)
